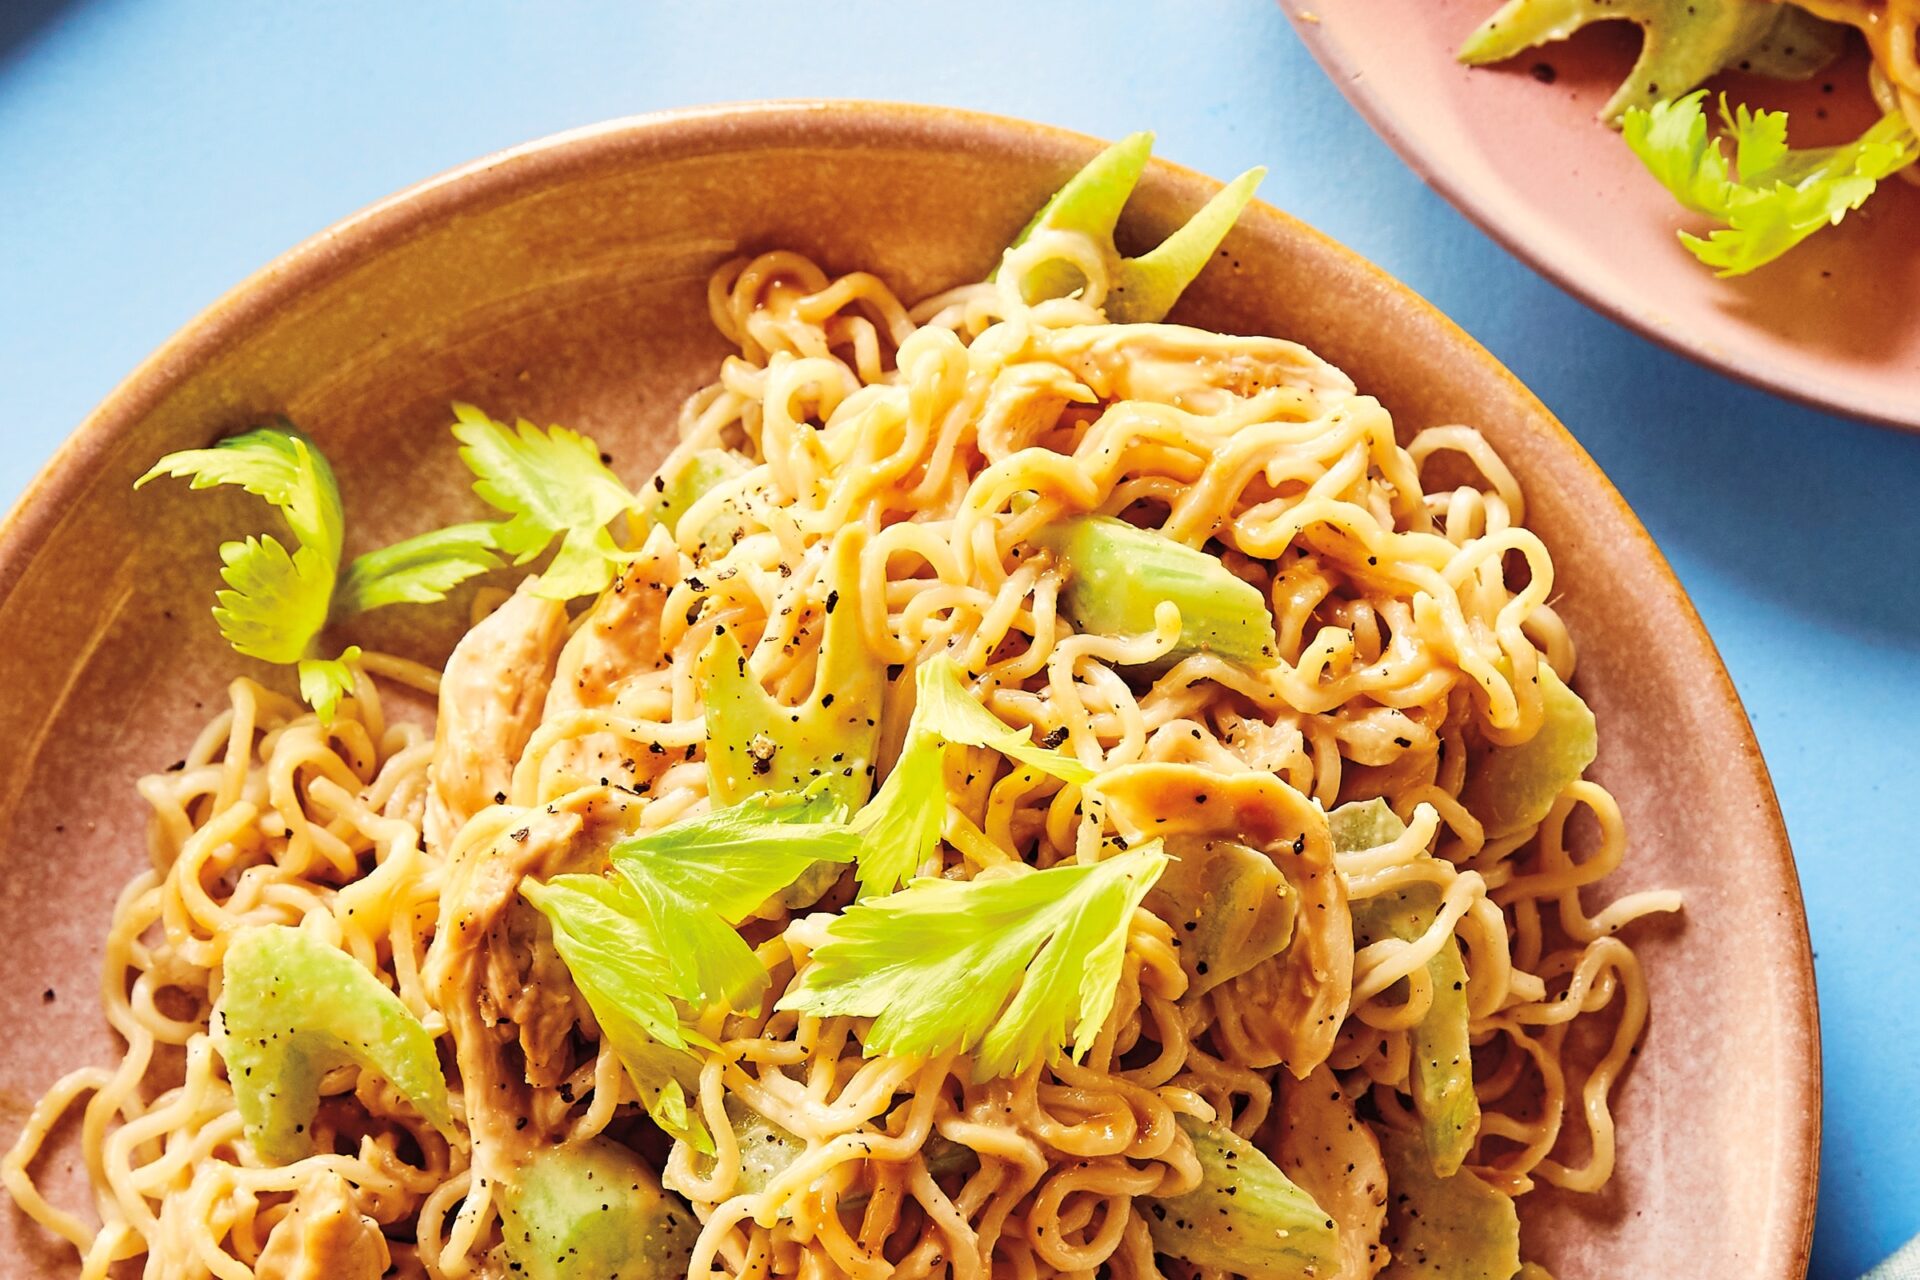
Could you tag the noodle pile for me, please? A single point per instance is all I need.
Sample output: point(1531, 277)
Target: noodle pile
point(1411, 626)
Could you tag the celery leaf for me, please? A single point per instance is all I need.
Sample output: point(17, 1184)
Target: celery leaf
point(600, 932)
point(956, 715)
point(324, 681)
point(277, 464)
point(603, 932)
point(1771, 197)
point(654, 942)
point(1015, 966)
point(700, 877)
point(550, 484)
point(277, 600)
point(900, 826)
point(420, 569)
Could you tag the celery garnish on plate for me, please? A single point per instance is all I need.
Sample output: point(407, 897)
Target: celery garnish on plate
point(1771, 196)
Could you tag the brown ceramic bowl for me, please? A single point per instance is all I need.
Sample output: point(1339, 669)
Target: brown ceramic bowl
point(566, 281)
point(1835, 323)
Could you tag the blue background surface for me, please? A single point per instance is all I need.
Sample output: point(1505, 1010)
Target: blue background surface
point(153, 153)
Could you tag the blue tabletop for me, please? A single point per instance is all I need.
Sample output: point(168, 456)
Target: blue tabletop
point(154, 153)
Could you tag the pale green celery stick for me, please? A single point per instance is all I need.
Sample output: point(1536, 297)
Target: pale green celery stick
point(1443, 1095)
point(766, 1149)
point(1117, 575)
point(1090, 204)
point(1512, 788)
point(292, 1008)
point(756, 744)
point(690, 483)
point(1442, 1068)
point(1146, 287)
point(592, 1211)
point(1685, 41)
point(1142, 289)
point(1229, 906)
point(1454, 1228)
point(1364, 824)
point(418, 570)
point(1245, 1217)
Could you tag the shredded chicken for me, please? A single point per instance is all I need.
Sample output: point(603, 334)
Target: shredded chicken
point(1333, 1156)
point(616, 651)
point(1189, 368)
point(510, 1002)
point(490, 699)
point(324, 1236)
point(1026, 400)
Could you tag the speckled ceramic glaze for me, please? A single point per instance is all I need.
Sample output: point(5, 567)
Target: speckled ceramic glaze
point(1835, 323)
point(565, 281)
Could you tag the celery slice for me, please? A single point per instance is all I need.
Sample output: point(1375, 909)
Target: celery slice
point(1142, 289)
point(1147, 286)
point(1686, 41)
point(1364, 824)
point(1230, 908)
point(768, 1149)
point(1453, 1228)
point(756, 744)
point(594, 1211)
point(1442, 1069)
point(292, 1008)
point(826, 745)
point(1090, 204)
point(1117, 575)
point(1513, 788)
point(690, 482)
point(1245, 1217)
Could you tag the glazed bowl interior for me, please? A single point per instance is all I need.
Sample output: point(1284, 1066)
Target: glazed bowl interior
point(566, 282)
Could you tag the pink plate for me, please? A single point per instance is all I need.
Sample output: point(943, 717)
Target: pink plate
point(1836, 323)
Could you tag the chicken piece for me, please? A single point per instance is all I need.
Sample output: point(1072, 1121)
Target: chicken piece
point(1026, 400)
point(1333, 1156)
point(1190, 368)
point(490, 698)
point(324, 1236)
point(617, 645)
point(1289, 1005)
point(493, 969)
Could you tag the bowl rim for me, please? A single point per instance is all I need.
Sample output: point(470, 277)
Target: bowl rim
point(1620, 307)
point(334, 250)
